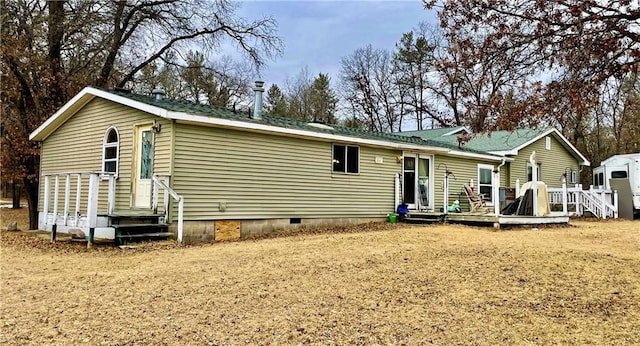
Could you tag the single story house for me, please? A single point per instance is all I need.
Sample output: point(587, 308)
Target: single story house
point(236, 174)
point(556, 157)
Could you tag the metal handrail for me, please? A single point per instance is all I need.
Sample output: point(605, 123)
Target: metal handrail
point(169, 191)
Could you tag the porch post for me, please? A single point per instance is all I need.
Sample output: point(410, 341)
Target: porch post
point(446, 192)
point(517, 188)
point(111, 197)
point(180, 218)
point(47, 192)
point(165, 201)
point(615, 204)
point(578, 200)
point(396, 191)
point(78, 192)
point(67, 193)
point(154, 194)
point(56, 196)
point(496, 191)
point(565, 210)
point(92, 206)
point(534, 182)
point(603, 206)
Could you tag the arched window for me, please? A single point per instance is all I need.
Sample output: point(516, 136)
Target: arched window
point(110, 151)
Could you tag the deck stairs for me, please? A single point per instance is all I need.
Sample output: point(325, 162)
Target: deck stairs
point(423, 218)
point(138, 227)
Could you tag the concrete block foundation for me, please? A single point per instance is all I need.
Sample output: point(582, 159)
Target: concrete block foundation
point(197, 231)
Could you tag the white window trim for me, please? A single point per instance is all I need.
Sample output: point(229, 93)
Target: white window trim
point(346, 146)
point(573, 177)
point(489, 199)
point(547, 143)
point(106, 145)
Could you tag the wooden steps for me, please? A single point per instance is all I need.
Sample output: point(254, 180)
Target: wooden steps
point(137, 227)
point(423, 218)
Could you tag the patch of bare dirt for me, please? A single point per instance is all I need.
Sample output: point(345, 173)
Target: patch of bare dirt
point(436, 284)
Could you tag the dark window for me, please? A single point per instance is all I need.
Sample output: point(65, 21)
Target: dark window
point(346, 158)
point(110, 152)
point(112, 136)
point(352, 159)
point(619, 174)
point(530, 172)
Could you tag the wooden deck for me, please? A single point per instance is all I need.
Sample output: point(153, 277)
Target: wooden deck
point(479, 219)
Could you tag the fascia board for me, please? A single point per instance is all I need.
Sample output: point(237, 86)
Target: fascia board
point(82, 98)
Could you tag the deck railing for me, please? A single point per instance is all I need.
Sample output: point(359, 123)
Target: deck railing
point(54, 217)
point(600, 202)
point(87, 217)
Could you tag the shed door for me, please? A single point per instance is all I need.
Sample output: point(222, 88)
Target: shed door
point(143, 166)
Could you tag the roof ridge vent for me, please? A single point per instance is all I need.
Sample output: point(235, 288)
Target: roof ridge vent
point(320, 125)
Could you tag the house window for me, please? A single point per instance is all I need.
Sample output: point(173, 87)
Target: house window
point(600, 179)
point(619, 174)
point(110, 151)
point(346, 158)
point(547, 144)
point(485, 182)
point(573, 177)
point(530, 172)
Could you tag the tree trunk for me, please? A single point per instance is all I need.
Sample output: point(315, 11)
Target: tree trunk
point(15, 194)
point(31, 189)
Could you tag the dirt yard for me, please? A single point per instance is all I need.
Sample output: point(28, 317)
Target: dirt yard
point(401, 285)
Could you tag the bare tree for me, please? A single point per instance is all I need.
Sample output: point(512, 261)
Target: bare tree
point(598, 38)
point(51, 49)
point(370, 90)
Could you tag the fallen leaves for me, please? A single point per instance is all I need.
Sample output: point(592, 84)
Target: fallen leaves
point(441, 284)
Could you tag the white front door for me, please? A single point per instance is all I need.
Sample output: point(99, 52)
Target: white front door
point(143, 166)
point(417, 187)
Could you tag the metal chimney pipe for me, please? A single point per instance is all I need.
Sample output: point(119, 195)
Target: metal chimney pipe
point(257, 105)
point(158, 93)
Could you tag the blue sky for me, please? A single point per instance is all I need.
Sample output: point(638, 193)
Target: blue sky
point(317, 34)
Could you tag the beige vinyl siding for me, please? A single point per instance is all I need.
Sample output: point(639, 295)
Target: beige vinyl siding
point(76, 146)
point(463, 169)
point(552, 162)
point(259, 176)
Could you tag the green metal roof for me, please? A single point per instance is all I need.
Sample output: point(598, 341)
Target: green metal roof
point(225, 113)
point(432, 133)
point(492, 142)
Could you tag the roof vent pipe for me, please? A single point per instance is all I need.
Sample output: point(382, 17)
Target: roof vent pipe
point(158, 93)
point(257, 105)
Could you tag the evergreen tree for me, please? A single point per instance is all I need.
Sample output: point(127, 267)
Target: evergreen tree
point(276, 102)
point(323, 100)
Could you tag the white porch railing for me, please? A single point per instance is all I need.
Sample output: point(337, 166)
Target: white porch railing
point(601, 203)
point(87, 218)
point(157, 184)
point(53, 217)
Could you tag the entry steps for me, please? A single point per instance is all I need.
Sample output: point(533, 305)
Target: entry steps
point(138, 227)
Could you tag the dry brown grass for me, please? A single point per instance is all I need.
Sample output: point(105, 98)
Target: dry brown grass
point(21, 216)
point(436, 284)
